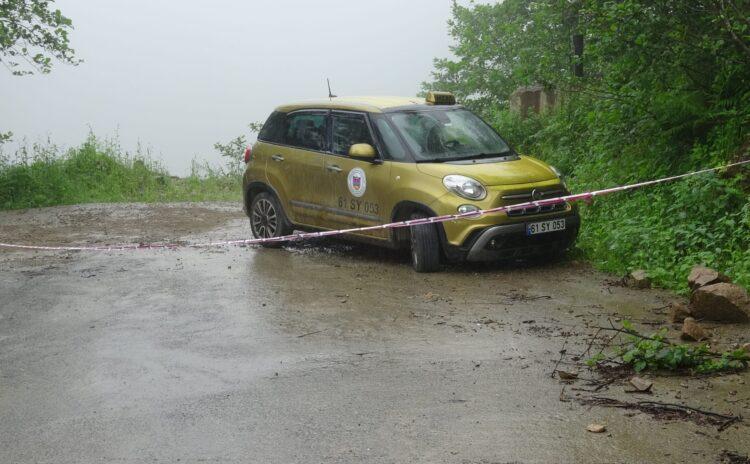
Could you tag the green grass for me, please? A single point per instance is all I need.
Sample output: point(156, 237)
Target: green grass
point(100, 171)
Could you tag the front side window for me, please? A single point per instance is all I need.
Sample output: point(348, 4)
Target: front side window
point(393, 147)
point(349, 129)
point(306, 130)
point(448, 135)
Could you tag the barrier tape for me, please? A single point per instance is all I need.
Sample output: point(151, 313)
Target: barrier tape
point(392, 225)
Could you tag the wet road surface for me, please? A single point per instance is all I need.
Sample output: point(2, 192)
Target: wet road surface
point(322, 352)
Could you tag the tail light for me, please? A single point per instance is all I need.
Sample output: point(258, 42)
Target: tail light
point(248, 154)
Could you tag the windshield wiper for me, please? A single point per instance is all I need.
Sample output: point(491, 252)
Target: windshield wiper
point(466, 158)
point(442, 160)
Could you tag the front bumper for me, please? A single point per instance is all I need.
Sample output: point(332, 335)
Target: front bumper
point(510, 240)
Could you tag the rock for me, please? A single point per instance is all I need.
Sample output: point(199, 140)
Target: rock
point(596, 428)
point(678, 312)
point(638, 279)
point(692, 331)
point(567, 375)
point(641, 385)
point(721, 302)
point(746, 347)
point(700, 276)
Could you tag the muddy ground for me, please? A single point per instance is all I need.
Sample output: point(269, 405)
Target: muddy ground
point(322, 352)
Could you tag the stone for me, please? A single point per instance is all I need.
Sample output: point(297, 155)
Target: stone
point(700, 276)
point(641, 385)
point(746, 347)
point(638, 279)
point(564, 375)
point(721, 302)
point(692, 331)
point(678, 312)
point(596, 428)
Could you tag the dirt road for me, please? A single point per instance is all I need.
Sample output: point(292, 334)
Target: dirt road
point(320, 352)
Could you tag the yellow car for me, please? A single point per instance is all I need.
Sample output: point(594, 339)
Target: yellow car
point(353, 162)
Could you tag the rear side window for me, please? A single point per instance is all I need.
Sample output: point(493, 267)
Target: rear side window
point(306, 130)
point(349, 129)
point(274, 128)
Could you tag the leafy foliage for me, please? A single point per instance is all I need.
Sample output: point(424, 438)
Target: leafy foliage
point(31, 35)
point(232, 152)
point(666, 89)
point(655, 352)
point(99, 171)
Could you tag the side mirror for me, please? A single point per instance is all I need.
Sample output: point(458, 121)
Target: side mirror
point(362, 151)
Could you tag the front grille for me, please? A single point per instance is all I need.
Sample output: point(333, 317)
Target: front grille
point(537, 210)
point(524, 197)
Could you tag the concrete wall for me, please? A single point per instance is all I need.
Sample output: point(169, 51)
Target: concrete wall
point(532, 98)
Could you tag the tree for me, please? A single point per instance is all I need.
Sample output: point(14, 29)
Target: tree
point(234, 150)
point(701, 47)
point(665, 88)
point(31, 35)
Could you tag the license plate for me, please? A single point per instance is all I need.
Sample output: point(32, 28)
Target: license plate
point(545, 226)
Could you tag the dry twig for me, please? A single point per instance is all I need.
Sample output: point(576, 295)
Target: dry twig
point(666, 411)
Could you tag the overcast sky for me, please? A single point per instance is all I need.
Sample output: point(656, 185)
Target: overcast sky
point(179, 76)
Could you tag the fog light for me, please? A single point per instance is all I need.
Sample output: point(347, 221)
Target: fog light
point(468, 209)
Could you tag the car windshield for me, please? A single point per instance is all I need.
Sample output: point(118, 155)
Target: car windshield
point(448, 135)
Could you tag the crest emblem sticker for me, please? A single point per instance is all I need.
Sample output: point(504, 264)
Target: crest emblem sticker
point(357, 182)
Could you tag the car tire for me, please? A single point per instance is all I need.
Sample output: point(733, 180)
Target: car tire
point(267, 219)
point(425, 246)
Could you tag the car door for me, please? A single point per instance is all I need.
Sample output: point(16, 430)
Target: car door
point(357, 189)
point(295, 166)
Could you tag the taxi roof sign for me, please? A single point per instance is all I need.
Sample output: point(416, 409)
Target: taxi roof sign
point(440, 98)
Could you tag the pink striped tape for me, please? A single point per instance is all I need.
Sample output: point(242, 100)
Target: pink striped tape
point(392, 225)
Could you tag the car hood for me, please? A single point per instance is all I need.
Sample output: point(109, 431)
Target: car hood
point(524, 170)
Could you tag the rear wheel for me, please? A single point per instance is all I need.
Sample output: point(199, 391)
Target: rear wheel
point(267, 219)
point(425, 246)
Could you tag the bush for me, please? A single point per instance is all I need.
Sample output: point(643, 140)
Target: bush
point(665, 229)
point(97, 171)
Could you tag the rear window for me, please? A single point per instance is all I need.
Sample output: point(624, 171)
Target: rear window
point(299, 129)
point(306, 130)
point(274, 128)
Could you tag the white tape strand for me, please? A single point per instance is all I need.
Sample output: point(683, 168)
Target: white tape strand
point(393, 225)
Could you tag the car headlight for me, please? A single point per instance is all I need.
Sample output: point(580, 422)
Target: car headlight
point(559, 176)
point(465, 187)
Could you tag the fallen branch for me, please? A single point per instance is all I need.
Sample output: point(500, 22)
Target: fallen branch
point(309, 333)
point(666, 411)
point(656, 352)
point(562, 355)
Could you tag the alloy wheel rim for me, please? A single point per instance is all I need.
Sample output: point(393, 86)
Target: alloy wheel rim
point(264, 219)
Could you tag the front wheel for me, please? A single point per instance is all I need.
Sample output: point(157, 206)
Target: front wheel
point(267, 219)
point(425, 246)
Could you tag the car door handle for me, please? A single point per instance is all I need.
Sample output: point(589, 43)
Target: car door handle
point(333, 167)
point(278, 158)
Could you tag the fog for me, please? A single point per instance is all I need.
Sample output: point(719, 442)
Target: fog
point(179, 76)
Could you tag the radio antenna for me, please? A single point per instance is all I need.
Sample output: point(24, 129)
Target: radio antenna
point(330, 94)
